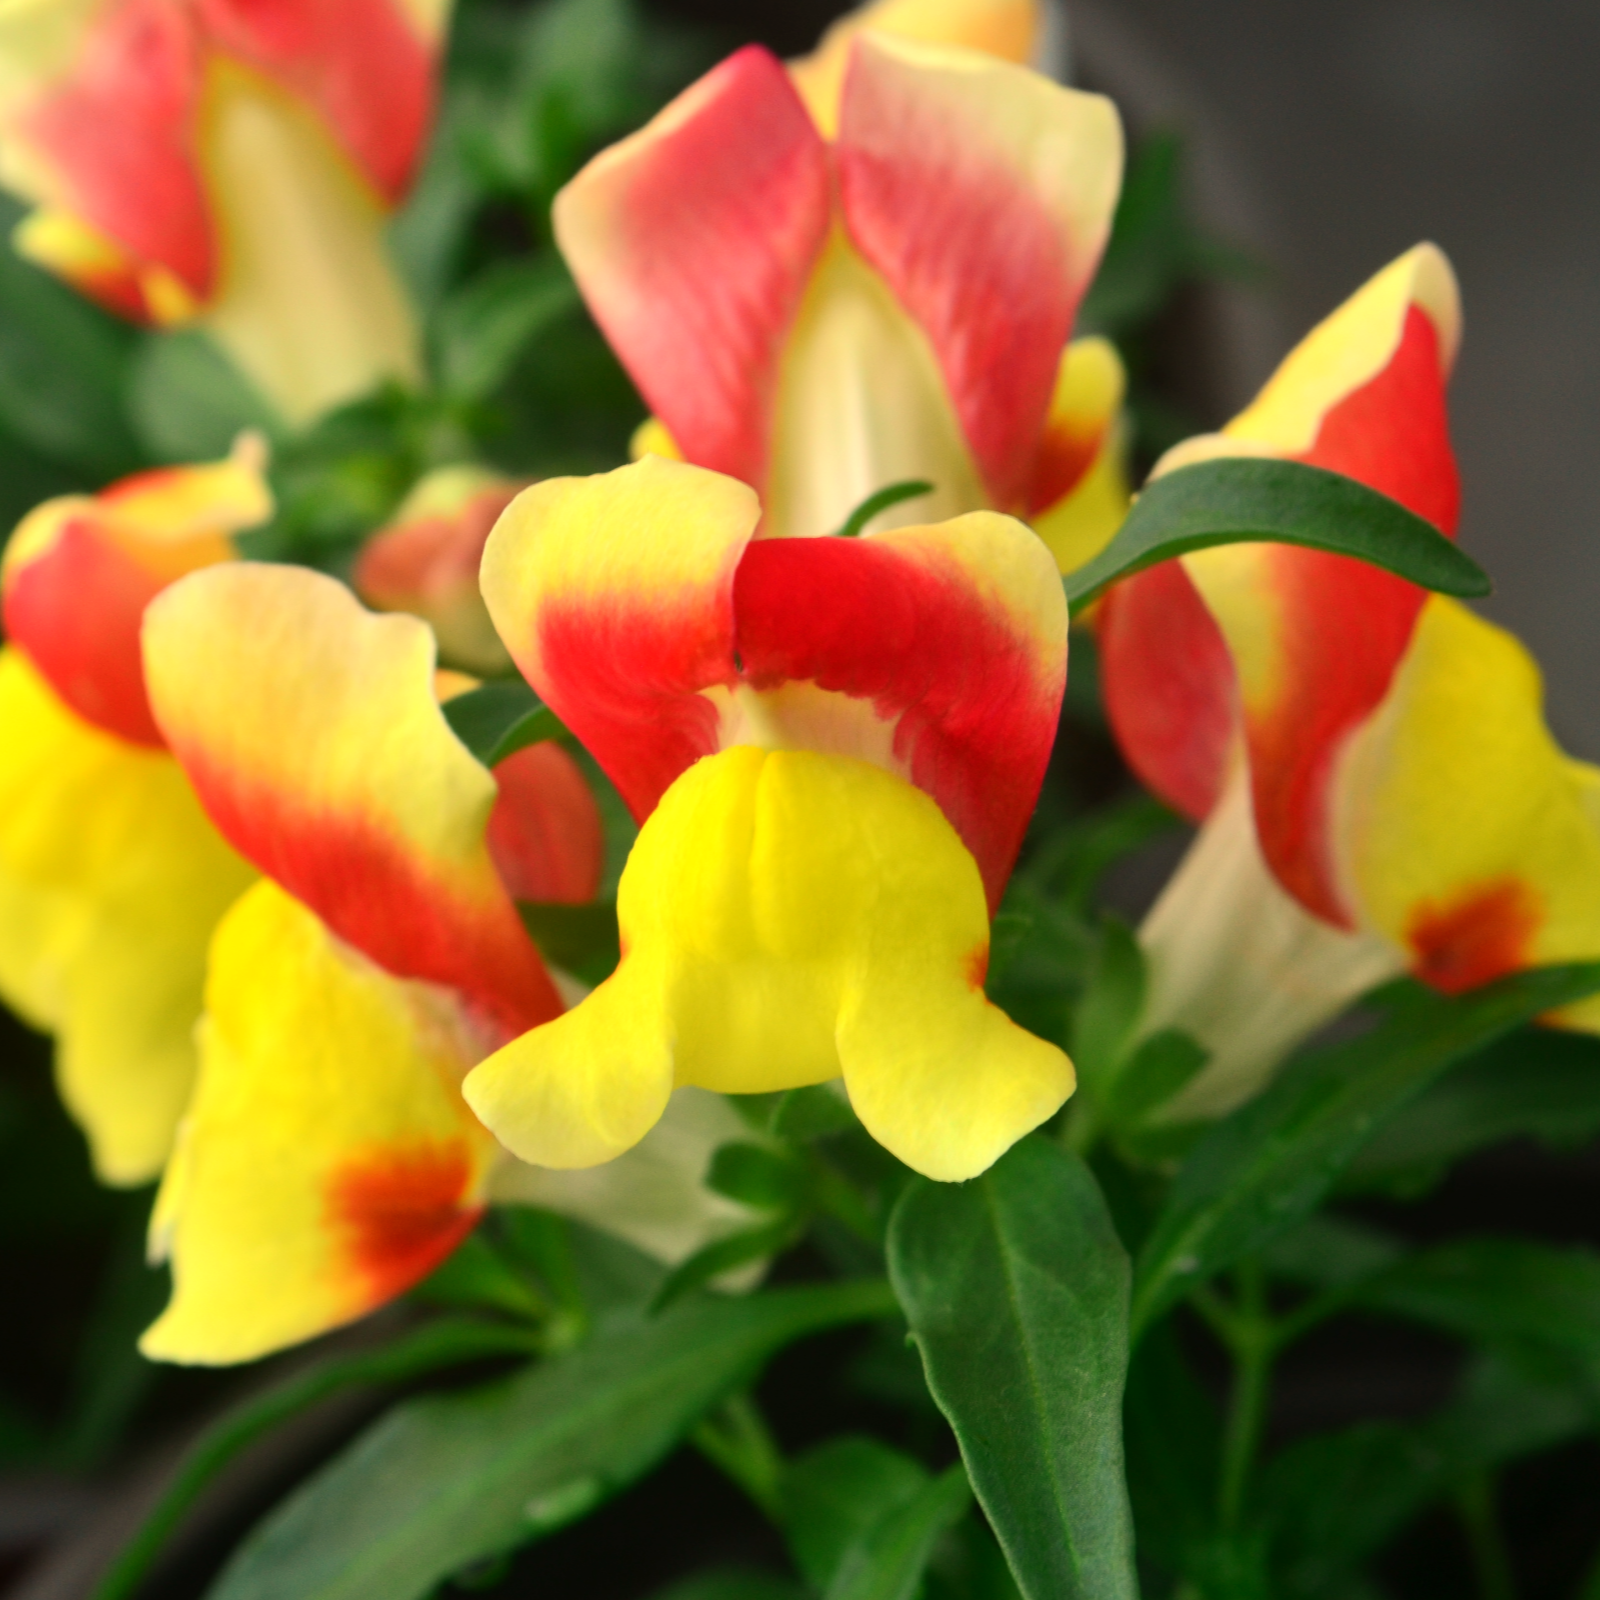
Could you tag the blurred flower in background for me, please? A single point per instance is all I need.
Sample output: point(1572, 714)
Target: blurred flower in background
point(232, 165)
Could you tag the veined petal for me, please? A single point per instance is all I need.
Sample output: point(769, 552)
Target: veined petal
point(365, 66)
point(951, 640)
point(1314, 638)
point(327, 1162)
point(693, 241)
point(112, 138)
point(787, 917)
point(308, 302)
point(1079, 494)
point(1240, 966)
point(614, 595)
point(426, 562)
point(1465, 836)
point(310, 731)
point(111, 880)
point(982, 193)
point(1004, 28)
point(861, 404)
point(79, 572)
point(640, 608)
point(545, 835)
point(1169, 685)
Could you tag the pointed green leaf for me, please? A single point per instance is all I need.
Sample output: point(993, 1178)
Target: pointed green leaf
point(496, 720)
point(1016, 1287)
point(888, 1560)
point(447, 1480)
point(834, 1493)
point(1269, 1164)
point(1248, 500)
point(1539, 1083)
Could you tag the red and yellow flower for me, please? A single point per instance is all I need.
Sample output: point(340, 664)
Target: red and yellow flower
point(834, 746)
point(1380, 790)
point(111, 878)
point(426, 561)
point(232, 163)
point(822, 312)
point(327, 1160)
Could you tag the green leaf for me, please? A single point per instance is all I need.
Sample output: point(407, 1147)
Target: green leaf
point(1161, 1065)
point(483, 328)
point(1262, 1169)
point(891, 495)
point(1518, 1295)
point(1540, 1083)
point(1174, 1443)
point(888, 1560)
point(724, 1255)
point(477, 1276)
point(445, 1343)
point(188, 401)
point(1108, 1013)
point(1334, 1500)
point(1015, 1286)
point(730, 1583)
point(448, 1480)
point(63, 366)
point(814, 1112)
point(833, 1494)
point(496, 720)
point(1245, 500)
point(583, 940)
point(757, 1176)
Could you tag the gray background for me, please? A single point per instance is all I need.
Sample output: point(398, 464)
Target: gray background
point(1332, 135)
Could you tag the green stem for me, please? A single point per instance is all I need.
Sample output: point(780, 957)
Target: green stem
point(1250, 1335)
point(445, 1343)
point(736, 1439)
point(1481, 1523)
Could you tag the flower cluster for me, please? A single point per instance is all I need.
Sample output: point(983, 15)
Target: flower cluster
point(276, 911)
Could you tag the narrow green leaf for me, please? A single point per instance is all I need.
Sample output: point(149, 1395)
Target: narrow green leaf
point(836, 1492)
point(188, 401)
point(1247, 500)
point(1262, 1169)
point(757, 1176)
point(813, 1112)
point(1539, 1083)
point(1518, 1295)
point(583, 940)
point(477, 1276)
point(484, 327)
point(63, 367)
point(727, 1254)
point(444, 1481)
point(874, 504)
point(496, 720)
point(729, 1583)
point(445, 1343)
point(1016, 1286)
point(1160, 1066)
point(888, 1561)
point(1113, 998)
point(1334, 1500)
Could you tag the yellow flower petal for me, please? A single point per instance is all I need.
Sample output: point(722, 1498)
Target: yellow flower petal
point(787, 917)
point(327, 1161)
point(111, 880)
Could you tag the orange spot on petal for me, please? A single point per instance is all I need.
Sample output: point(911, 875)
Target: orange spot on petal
point(400, 1213)
point(978, 966)
point(1481, 936)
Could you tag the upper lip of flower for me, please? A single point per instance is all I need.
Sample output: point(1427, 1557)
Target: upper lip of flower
point(700, 296)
